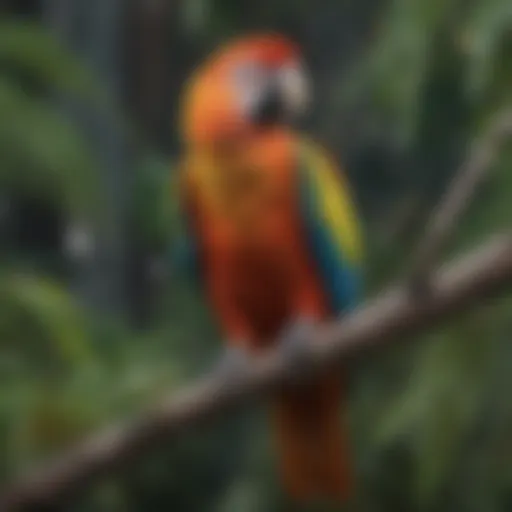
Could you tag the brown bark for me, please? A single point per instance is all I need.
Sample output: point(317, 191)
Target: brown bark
point(455, 201)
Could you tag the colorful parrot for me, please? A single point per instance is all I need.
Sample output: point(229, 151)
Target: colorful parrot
point(272, 235)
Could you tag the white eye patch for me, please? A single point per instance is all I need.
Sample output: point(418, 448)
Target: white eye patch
point(252, 81)
point(293, 82)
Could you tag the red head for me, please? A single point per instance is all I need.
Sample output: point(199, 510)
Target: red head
point(247, 84)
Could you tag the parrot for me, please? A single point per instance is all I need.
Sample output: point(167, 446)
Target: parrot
point(272, 238)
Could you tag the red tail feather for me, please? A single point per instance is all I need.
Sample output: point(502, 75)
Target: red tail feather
point(312, 443)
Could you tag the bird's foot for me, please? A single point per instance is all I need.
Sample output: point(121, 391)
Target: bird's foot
point(295, 342)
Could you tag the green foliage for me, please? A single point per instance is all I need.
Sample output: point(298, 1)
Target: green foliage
point(38, 146)
point(154, 202)
point(30, 49)
point(41, 324)
point(396, 69)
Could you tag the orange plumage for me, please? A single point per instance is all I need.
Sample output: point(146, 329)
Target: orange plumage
point(240, 191)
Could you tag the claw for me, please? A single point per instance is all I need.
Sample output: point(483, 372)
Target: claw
point(295, 341)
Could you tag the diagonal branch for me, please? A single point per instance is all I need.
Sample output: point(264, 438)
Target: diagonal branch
point(391, 316)
point(456, 199)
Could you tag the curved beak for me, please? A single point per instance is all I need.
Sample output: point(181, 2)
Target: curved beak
point(270, 106)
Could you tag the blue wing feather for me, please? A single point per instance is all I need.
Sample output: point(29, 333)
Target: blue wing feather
point(333, 242)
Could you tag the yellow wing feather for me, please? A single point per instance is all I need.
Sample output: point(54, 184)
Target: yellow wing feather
point(337, 205)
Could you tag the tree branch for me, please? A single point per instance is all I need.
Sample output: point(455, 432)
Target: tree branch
point(445, 216)
point(391, 316)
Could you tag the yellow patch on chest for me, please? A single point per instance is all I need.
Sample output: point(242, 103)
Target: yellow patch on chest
point(237, 194)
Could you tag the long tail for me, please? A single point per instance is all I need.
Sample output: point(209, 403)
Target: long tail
point(312, 442)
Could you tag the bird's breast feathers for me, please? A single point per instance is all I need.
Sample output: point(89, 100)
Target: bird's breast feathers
point(246, 199)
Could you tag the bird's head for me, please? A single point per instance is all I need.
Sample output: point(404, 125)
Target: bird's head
point(249, 84)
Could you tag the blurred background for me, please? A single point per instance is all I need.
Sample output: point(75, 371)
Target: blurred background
point(94, 323)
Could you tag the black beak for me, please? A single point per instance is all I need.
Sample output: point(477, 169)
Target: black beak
point(270, 109)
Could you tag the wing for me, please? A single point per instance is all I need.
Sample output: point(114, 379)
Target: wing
point(331, 225)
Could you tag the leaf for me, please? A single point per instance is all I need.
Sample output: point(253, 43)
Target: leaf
point(487, 25)
point(41, 152)
point(50, 316)
point(33, 49)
